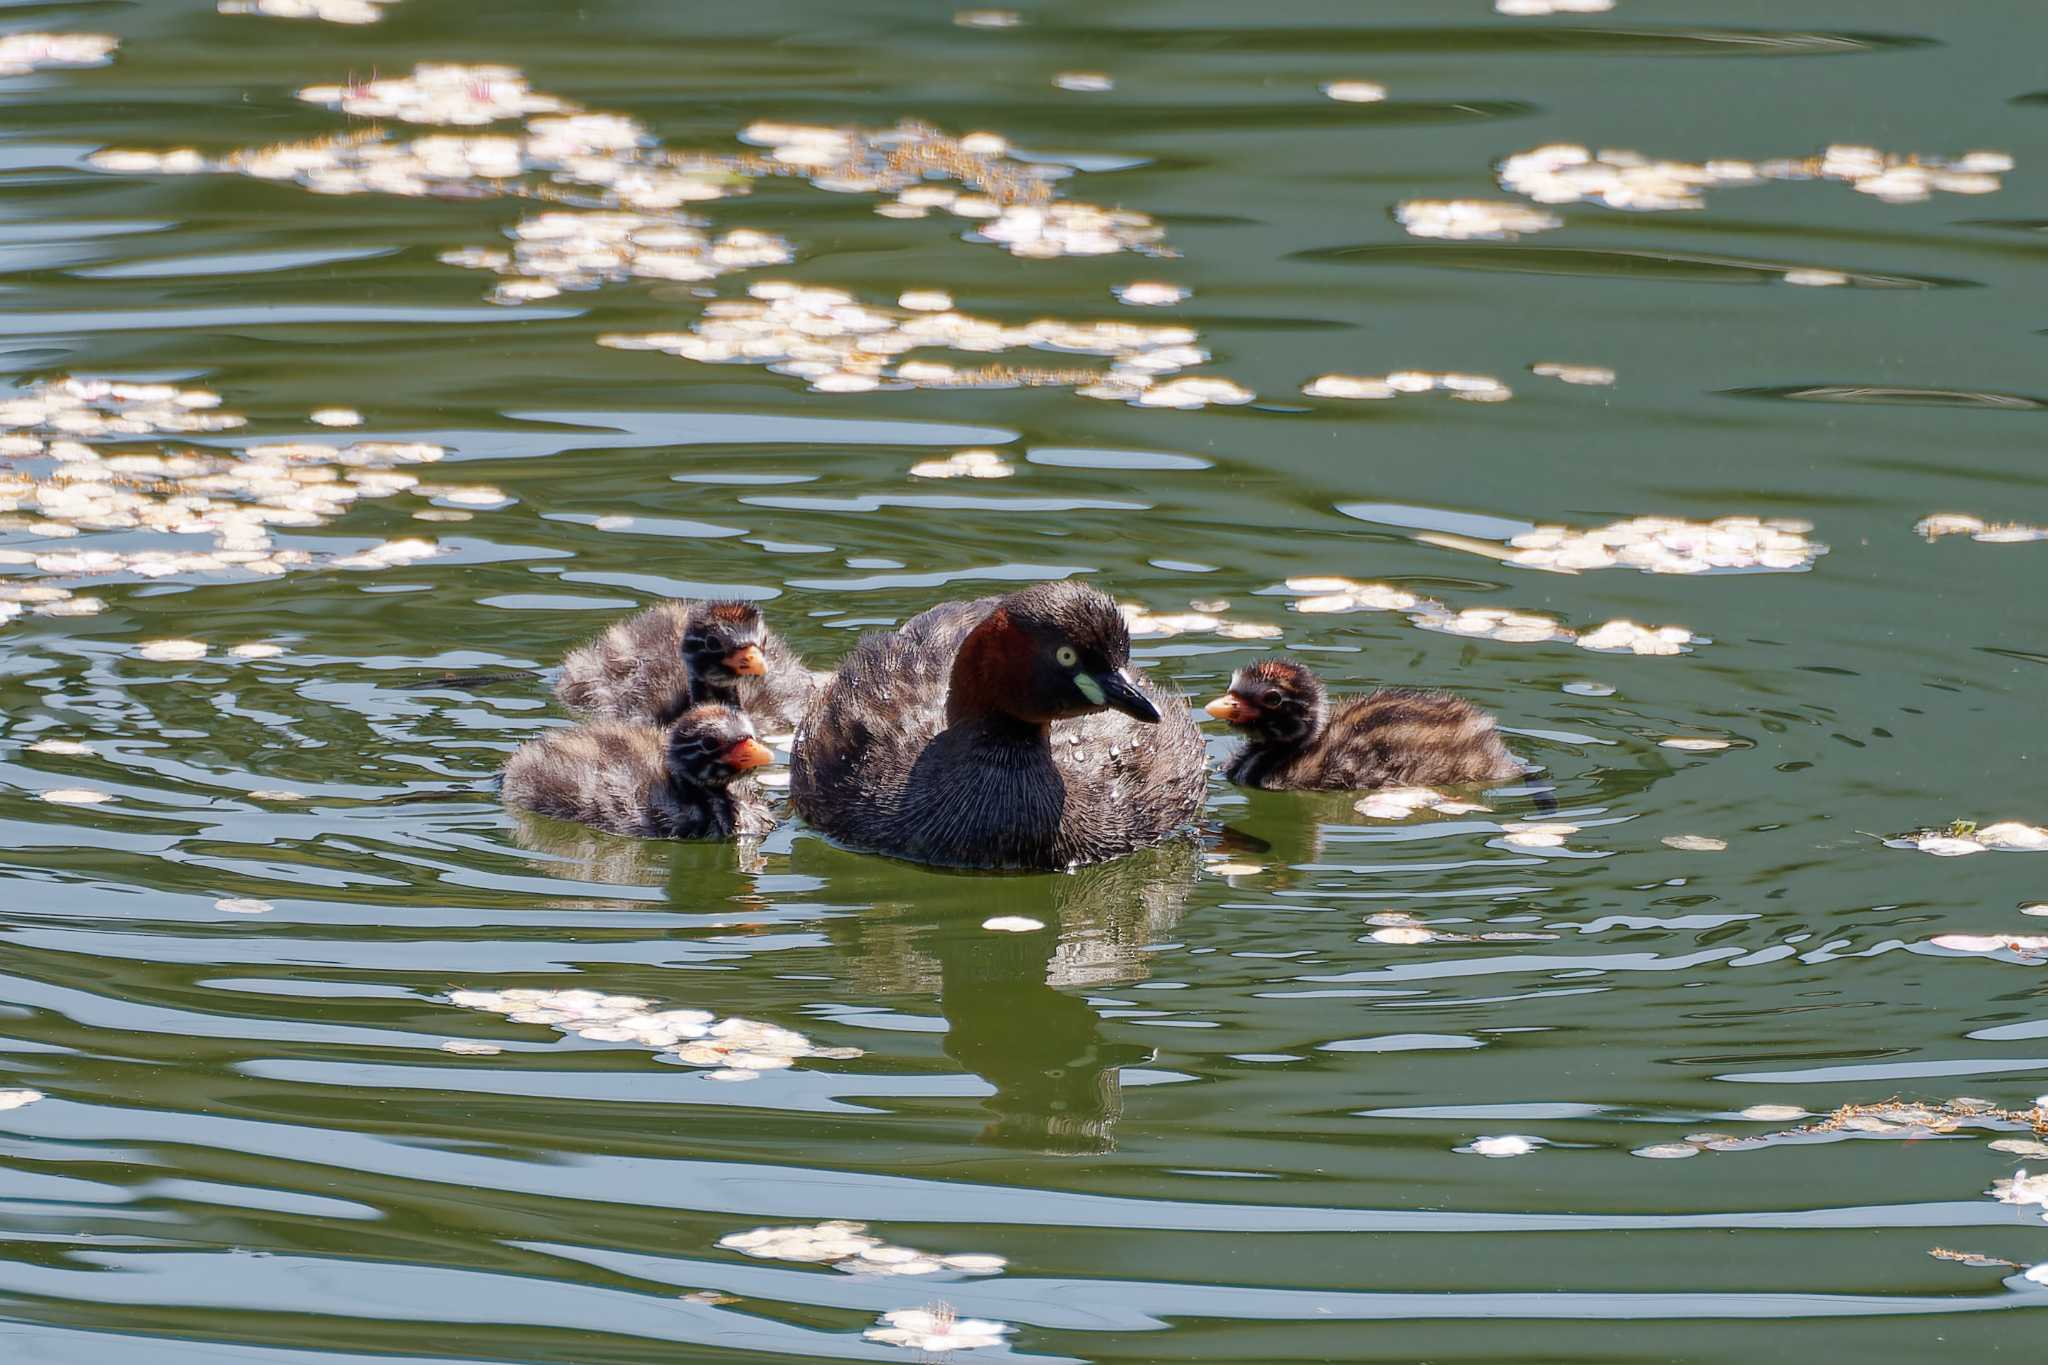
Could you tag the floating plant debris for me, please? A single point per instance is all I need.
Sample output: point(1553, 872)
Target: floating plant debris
point(1670, 545)
point(465, 494)
point(1492, 623)
point(21, 53)
point(1145, 624)
point(740, 1049)
point(1591, 376)
point(243, 905)
point(1896, 1119)
point(1508, 1144)
point(1084, 82)
point(1893, 1118)
point(1976, 1259)
point(1816, 279)
point(1401, 928)
point(1965, 837)
point(582, 250)
point(1626, 637)
point(2024, 1190)
point(987, 18)
point(2019, 1147)
point(470, 1047)
point(851, 1248)
point(1993, 533)
point(1012, 924)
point(50, 469)
point(841, 345)
point(1538, 8)
point(1470, 388)
point(1228, 869)
point(965, 464)
point(69, 748)
point(936, 1329)
point(1355, 92)
point(1566, 173)
point(171, 651)
point(75, 796)
point(440, 93)
point(1694, 744)
point(15, 1099)
point(1332, 594)
point(2025, 945)
point(89, 409)
point(1011, 202)
point(335, 417)
point(1467, 220)
point(1527, 834)
point(1695, 843)
point(1149, 294)
point(1773, 1113)
point(1398, 803)
point(1186, 393)
point(327, 11)
point(1667, 1151)
point(1348, 386)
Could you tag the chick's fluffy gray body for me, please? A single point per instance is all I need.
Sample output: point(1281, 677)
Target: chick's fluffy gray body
point(877, 767)
point(635, 671)
point(613, 775)
point(1395, 737)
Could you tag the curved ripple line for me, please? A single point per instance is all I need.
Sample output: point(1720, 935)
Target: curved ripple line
point(1142, 1305)
point(814, 1192)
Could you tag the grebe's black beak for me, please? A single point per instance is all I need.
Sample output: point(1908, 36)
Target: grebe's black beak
point(1120, 694)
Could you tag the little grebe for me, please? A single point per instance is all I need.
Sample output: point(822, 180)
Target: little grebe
point(1003, 733)
point(681, 782)
point(654, 666)
point(1295, 740)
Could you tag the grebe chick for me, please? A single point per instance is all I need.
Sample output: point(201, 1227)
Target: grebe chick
point(653, 666)
point(1007, 732)
point(1296, 740)
point(685, 781)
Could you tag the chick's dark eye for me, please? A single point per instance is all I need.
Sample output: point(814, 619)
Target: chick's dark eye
point(1271, 699)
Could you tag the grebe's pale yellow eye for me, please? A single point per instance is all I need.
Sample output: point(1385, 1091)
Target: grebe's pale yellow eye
point(1066, 656)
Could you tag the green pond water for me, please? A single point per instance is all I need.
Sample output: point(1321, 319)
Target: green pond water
point(1210, 1110)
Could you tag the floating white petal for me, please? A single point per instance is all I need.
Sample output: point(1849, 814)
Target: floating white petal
point(1511, 1144)
point(1355, 92)
point(1465, 220)
point(21, 53)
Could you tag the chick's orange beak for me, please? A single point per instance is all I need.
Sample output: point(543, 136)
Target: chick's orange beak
point(749, 753)
point(1232, 708)
point(747, 662)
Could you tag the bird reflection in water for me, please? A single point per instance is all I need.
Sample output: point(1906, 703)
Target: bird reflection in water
point(694, 874)
point(1015, 1004)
